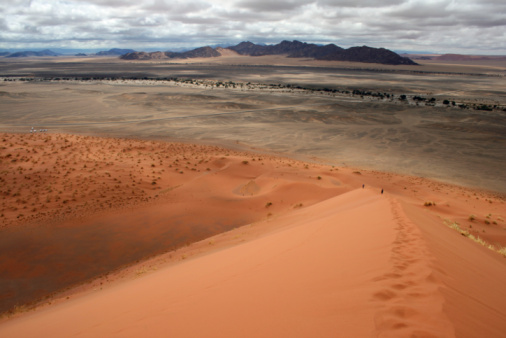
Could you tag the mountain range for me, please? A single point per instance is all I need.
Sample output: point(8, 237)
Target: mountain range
point(115, 51)
point(45, 52)
point(292, 49)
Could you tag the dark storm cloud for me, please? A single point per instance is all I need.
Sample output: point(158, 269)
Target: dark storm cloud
point(438, 25)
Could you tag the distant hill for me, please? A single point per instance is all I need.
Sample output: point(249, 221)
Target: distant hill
point(45, 52)
point(460, 57)
point(80, 54)
point(294, 49)
point(115, 52)
point(202, 52)
point(419, 56)
point(144, 56)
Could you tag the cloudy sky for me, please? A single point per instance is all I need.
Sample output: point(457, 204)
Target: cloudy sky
point(451, 26)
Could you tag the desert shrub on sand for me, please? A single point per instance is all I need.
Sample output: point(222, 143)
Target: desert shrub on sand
point(472, 217)
point(502, 251)
point(429, 203)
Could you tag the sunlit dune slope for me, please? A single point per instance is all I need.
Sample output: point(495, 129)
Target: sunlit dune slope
point(357, 264)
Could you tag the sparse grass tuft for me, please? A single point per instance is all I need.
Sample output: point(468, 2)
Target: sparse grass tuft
point(19, 309)
point(472, 217)
point(477, 239)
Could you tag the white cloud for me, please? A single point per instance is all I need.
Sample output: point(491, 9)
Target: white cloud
point(472, 26)
point(362, 3)
point(270, 6)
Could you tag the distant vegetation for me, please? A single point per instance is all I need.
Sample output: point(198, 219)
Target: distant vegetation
point(319, 90)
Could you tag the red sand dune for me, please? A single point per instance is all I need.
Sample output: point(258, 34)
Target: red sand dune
point(349, 262)
point(101, 204)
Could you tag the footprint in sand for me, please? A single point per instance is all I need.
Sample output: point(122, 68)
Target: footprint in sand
point(409, 281)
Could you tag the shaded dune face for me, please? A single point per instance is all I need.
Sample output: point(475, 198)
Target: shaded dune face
point(100, 204)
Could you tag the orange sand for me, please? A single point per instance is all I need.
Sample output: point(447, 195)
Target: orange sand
point(326, 258)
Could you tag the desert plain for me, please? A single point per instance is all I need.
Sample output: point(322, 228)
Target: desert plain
point(252, 196)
